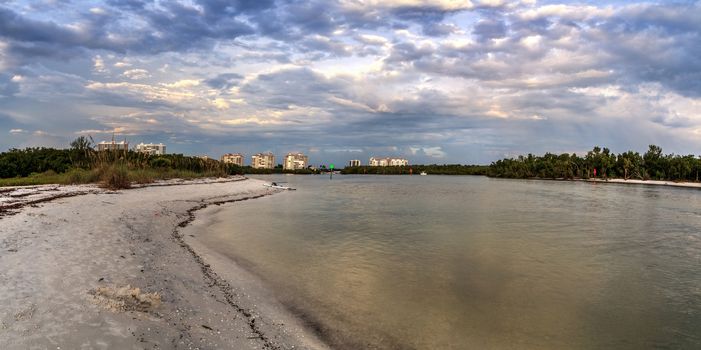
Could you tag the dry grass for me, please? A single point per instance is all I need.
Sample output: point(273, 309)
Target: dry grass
point(113, 177)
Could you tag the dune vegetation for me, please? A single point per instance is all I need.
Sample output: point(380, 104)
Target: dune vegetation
point(81, 163)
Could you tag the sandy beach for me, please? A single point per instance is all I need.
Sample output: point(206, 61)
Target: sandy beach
point(648, 182)
point(86, 268)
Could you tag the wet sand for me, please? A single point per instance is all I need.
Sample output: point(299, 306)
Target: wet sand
point(86, 268)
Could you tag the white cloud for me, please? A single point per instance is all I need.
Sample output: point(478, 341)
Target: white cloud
point(98, 11)
point(220, 103)
point(435, 152)
point(373, 39)
point(185, 83)
point(136, 74)
point(18, 131)
point(446, 5)
point(99, 64)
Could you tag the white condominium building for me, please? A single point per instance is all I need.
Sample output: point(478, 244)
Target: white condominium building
point(354, 162)
point(232, 158)
point(113, 146)
point(294, 161)
point(151, 148)
point(374, 161)
point(263, 161)
point(398, 162)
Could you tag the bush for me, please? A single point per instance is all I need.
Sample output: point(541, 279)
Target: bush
point(160, 162)
point(115, 177)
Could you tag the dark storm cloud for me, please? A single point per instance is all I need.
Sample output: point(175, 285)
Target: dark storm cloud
point(430, 111)
point(224, 81)
point(172, 27)
point(489, 29)
point(18, 28)
point(299, 84)
point(658, 43)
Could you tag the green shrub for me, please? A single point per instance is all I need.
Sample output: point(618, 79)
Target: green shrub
point(160, 162)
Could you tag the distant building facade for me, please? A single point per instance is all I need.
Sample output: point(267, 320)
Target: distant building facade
point(398, 162)
point(151, 148)
point(113, 146)
point(354, 162)
point(232, 158)
point(204, 157)
point(375, 161)
point(263, 161)
point(295, 161)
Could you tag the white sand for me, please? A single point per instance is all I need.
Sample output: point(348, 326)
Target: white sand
point(110, 270)
point(649, 182)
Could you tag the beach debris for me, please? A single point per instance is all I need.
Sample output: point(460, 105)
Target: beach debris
point(126, 298)
point(25, 314)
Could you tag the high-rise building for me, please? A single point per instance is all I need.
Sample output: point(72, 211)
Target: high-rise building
point(374, 161)
point(232, 158)
point(263, 161)
point(354, 162)
point(151, 148)
point(113, 146)
point(294, 161)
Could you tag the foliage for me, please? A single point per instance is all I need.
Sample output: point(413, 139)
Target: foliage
point(114, 169)
point(651, 165)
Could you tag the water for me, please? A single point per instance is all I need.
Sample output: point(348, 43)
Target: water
point(432, 262)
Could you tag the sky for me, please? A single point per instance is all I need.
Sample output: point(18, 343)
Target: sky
point(434, 81)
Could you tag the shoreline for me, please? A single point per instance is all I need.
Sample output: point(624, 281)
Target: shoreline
point(614, 181)
point(115, 269)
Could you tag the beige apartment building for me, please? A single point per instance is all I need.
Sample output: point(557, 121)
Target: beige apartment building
point(354, 162)
point(263, 161)
point(154, 149)
point(294, 161)
point(375, 161)
point(232, 158)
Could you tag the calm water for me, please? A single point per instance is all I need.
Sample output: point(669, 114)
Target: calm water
point(431, 262)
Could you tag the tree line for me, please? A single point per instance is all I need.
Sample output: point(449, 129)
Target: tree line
point(601, 163)
point(597, 163)
point(82, 155)
point(433, 169)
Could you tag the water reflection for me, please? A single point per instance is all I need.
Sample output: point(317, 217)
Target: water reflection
point(469, 262)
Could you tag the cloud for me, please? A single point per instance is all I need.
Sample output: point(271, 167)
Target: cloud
point(136, 74)
point(8, 85)
point(185, 83)
point(99, 65)
point(224, 81)
point(459, 81)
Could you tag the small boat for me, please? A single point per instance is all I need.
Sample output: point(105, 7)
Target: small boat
point(423, 173)
point(279, 187)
